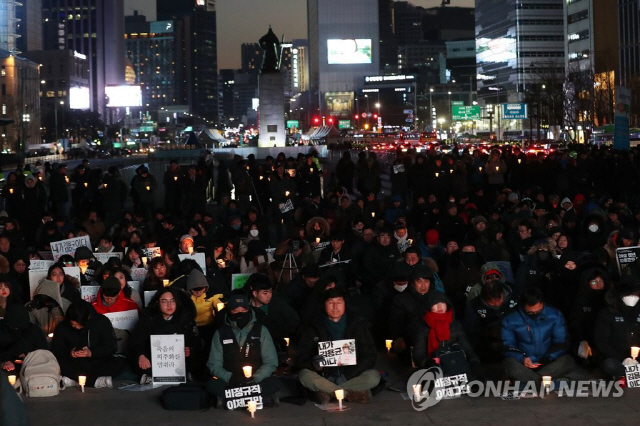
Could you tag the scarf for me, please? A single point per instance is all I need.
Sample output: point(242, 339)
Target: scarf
point(439, 329)
point(338, 329)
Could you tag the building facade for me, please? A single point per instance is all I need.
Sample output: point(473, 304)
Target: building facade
point(29, 26)
point(629, 40)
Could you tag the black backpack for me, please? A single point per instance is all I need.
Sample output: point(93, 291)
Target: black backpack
point(186, 396)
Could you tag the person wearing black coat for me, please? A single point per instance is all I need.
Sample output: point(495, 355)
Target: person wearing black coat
point(483, 320)
point(439, 332)
point(59, 196)
point(378, 261)
point(18, 337)
point(345, 171)
point(171, 311)
point(84, 344)
point(172, 190)
point(337, 323)
point(618, 328)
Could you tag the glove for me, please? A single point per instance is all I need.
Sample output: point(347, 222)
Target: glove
point(317, 362)
point(584, 350)
point(629, 361)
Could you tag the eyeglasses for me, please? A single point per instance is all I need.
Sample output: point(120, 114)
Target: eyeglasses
point(167, 302)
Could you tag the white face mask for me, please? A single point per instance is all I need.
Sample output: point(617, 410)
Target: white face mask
point(254, 233)
point(593, 227)
point(630, 301)
point(400, 287)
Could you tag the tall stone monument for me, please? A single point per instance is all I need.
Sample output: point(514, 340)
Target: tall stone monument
point(271, 94)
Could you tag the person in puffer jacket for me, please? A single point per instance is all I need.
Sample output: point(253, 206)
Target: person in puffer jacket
point(205, 303)
point(535, 340)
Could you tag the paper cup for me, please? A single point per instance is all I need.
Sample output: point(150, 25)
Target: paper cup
point(247, 371)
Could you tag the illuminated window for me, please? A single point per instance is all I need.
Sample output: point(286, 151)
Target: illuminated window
point(4, 109)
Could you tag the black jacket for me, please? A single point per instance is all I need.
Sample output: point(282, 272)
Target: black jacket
point(18, 336)
point(357, 329)
point(617, 329)
point(407, 313)
point(280, 319)
point(97, 334)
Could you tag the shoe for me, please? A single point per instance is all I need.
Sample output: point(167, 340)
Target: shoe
point(68, 383)
point(103, 382)
point(359, 397)
point(146, 379)
point(320, 397)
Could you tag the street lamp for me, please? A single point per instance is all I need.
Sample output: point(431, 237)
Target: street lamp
point(378, 106)
point(450, 109)
point(433, 124)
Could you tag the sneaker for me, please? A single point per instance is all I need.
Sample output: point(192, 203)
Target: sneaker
point(68, 383)
point(146, 379)
point(103, 382)
point(319, 397)
point(360, 397)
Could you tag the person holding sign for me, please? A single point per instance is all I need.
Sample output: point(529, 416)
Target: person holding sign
point(169, 312)
point(327, 365)
point(157, 272)
point(84, 345)
point(242, 342)
point(617, 328)
point(535, 339)
point(111, 298)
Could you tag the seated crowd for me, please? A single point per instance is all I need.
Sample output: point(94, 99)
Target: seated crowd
point(502, 260)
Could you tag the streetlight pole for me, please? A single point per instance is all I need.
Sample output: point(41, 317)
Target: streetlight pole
point(431, 120)
point(450, 114)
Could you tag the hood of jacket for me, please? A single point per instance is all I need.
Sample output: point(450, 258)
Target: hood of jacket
point(51, 289)
point(196, 279)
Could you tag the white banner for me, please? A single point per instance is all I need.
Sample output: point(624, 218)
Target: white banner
point(104, 257)
point(148, 295)
point(60, 248)
point(198, 257)
point(89, 292)
point(124, 320)
point(40, 264)
point(138, 274)
point(167, 359)
point(337, 352)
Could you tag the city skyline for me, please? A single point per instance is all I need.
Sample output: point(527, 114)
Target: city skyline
point(293, 23)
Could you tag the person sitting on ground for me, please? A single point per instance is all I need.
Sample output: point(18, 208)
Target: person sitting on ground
point(129, 292)
point(111, 298)
point(242, 341)
point(337, 323)
point(535, 340)
point(169, 312)
point(69, 286)
point(205, 304)
point(156, 274)
point(18, 337)
point(84, 344)
point(47, 308)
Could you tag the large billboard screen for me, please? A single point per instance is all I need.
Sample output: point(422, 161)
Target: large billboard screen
point(339, 103)
point(501, 49)
point(123, 96)
point(79, 98)
point(349, 51)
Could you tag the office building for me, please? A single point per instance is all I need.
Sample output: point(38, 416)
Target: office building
point(251, 57)
point(94, 28)
point(29, 26)
point(629, 40)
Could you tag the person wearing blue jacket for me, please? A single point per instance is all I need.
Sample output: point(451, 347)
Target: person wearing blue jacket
point(535, 340)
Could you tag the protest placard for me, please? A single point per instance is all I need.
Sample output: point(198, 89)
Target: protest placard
point(167, 359)
point(124, 320)
point(337, 352)
point(35, 278)
point(40, 264)
point(152, 252)
point(240, 396)
point(60, 248)
point(104, 257)
point(286, 206)
point(626, 255)
point(135, 285)
point(89, 293)
point(46, 255)
point(198, 257)
point(138, 274)
point(398, 168)
point(322, 245)
point(451, 386)
point(632, 373)
point(148, 295)
point(238, 281)
point(73, 272)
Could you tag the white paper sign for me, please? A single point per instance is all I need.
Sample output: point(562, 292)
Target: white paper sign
point(104, 257)
point(73, 271)
point(138, 274)
point(152, 252)
point(239, 397)
point(337, 352)
point(124, 320)
point(198, 257)
point(60, 248)
point(632, 373)
point(89, 292)
point(40, 264)
point(286, 207)
point(167, 359)
point(135, 285)
point(37, 275)
point(148, 295)
point(398, 168)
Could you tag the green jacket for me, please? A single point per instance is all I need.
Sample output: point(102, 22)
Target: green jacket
point(215, 364)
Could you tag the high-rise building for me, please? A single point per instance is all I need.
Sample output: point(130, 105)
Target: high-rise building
point(29, 26)
point(629, 40)
point(344, 47)
point(251, 57)
point(515, 39)
point(9, 25)
point(200, 54)
point(155, 51)
point(94, 28)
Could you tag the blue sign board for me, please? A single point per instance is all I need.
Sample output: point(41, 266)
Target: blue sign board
point(514, 111)
point(621, 137)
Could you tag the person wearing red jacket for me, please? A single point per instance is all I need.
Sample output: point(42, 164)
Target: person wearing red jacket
point(112, 299)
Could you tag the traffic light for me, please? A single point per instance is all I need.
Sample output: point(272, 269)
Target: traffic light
point(357, 117)
point(316, 120)
point(375, 116)
point(330, 120)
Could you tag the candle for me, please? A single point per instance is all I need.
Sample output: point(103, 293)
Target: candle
point(519, 160)
point(340, 397)
point(82, 380)
point(10, 190)
point(190, 250)
point(451, 171)
point(410, 242)
point(86, 184)
point(311, 170)
point(105, 186)
point(635, 350)
point(247, 371)
point(247, 167)
point(261, 177)
point(251, 406)
point(12, 380)
point(144, 260)
point(175, 178)
point(165, 283)
point(437, 174)
point(480, 168)
point(317, 240)
point(220, 306)
point(546, 381)
point(66, 179)
point(497, 168)
point(373, 214)
point(417, 390)
point(388, 344)
point(286, 340)
point(40, 177)
point(50, 335)
point(286, 193)
point(148, 188)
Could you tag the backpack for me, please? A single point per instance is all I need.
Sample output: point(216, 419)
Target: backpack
point(40, 374)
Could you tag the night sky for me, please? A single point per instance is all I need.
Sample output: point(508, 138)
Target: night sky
point(245, 21)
